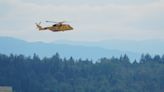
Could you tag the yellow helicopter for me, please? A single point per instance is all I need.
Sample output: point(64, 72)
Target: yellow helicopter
point(57, 27)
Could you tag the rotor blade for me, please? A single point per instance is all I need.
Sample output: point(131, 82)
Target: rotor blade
point(51, 21)
point(56, 22)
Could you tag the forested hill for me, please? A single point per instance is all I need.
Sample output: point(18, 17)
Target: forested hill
point(55, 74)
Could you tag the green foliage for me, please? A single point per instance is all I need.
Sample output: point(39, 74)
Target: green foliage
point(54, 74)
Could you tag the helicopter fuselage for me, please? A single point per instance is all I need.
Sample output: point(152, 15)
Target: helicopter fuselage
point(56, 27)
point(62, 27)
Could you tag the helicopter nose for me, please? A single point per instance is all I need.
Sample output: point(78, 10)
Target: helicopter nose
point(71, 28)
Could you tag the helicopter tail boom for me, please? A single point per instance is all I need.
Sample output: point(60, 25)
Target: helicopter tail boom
point(40, 27)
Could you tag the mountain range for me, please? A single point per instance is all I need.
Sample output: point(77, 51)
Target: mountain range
point(83, 50)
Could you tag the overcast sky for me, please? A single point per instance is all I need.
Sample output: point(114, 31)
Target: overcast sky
point(93, 20)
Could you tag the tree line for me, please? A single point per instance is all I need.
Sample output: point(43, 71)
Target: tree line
point(56, 74)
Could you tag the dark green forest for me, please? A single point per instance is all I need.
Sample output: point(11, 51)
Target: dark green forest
point(56, 74)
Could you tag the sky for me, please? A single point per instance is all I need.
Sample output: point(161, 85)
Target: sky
point(92, 20)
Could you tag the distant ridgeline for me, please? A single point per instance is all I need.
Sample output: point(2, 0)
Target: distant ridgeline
point(55, 74)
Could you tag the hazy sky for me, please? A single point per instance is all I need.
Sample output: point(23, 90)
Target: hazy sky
point(93, 20)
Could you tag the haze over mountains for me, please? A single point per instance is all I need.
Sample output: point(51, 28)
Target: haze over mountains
point(84, 50)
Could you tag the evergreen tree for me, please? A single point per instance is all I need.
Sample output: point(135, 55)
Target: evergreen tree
point(54, 74)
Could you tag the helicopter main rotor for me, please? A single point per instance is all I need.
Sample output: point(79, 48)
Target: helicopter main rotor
point(55, 22)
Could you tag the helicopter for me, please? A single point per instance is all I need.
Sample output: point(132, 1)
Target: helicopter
point(57, 27)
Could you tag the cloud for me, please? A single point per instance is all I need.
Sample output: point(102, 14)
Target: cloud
point(92, 2)
point(91, 21)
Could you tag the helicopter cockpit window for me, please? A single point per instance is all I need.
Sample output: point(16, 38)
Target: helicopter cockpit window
point(54, 25)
